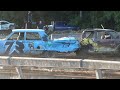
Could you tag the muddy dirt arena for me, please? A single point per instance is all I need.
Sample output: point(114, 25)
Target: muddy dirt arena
point(48, 73)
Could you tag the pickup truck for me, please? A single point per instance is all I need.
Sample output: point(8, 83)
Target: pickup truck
point(61, 26)
point(99, 41)
point(5, 25)
point(36, 42)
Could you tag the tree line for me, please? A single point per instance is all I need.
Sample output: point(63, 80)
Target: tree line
point(83, 19)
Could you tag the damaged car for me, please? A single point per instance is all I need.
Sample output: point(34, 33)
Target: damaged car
point(36, 42)
point(99, 41)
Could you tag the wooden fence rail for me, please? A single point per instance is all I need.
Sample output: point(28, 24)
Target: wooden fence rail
point(96, 65)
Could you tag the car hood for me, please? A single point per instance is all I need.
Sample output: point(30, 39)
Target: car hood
point(65, 38)
point(64, 44)
point(71, 40)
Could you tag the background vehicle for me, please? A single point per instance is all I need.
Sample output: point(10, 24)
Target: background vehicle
point(61, 26)
point(5, 25)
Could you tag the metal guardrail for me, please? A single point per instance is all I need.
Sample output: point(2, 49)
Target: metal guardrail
point(97, 65)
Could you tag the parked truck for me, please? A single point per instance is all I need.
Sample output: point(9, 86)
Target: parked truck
point(5, 25)
point(61, 26)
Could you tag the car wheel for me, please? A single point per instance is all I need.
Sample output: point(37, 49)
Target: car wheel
point(83, 52)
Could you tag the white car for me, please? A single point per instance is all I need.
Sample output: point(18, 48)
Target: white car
point(5, 25)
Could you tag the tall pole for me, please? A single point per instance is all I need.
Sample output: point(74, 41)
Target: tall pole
point(0, 26)
point(80, 14)
point(29, 20)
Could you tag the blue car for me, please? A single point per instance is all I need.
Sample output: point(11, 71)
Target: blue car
point(36, 42)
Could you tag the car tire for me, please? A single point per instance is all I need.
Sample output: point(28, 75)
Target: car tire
point(83, 52)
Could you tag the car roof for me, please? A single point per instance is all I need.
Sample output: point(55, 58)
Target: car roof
point(27, 30)
point(3, 21)
point(98, 29)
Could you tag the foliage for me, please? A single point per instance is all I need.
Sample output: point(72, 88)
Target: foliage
point(89, 19)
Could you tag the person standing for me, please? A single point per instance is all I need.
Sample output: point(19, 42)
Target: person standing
point(40, 25)
point(29, 20)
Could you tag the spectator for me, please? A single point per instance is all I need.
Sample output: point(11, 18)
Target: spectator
point(40, 25)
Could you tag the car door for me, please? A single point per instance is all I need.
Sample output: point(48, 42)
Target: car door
point(33, 42)
point(13, 45)
point(105, 41)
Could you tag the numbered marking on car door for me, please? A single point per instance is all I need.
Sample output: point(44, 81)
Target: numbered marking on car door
point(14, 47)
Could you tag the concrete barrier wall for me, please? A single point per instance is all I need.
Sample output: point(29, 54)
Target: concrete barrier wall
point(97, 65)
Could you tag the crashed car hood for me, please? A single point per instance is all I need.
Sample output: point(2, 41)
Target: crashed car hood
point(64, 44)
point(65, 39)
